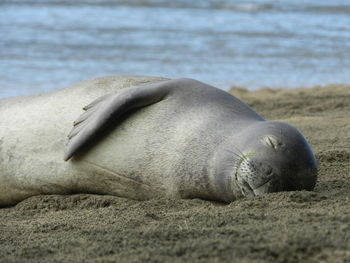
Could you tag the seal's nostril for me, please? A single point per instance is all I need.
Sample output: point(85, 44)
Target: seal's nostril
point(264, 169)
point(268, 170)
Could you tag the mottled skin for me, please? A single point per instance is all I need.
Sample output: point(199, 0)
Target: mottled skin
point(179, 138)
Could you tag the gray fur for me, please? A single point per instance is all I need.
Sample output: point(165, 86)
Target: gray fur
point(147, 137)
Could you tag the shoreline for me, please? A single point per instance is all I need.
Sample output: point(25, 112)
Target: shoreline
point(231, 88)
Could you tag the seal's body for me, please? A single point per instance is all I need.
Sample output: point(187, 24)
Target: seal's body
point(142, 137)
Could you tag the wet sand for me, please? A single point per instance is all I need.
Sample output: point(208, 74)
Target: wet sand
point(280, 227)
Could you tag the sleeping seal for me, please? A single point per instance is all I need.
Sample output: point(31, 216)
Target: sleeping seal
point(142, 137)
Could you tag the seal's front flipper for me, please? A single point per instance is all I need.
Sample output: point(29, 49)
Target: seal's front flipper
point(109, 108)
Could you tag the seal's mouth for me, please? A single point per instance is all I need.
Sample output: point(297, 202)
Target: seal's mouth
point(248, 190)
point(252, 181)
point(245, 188)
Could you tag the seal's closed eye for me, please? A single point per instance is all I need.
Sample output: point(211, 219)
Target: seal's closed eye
point(272, 141)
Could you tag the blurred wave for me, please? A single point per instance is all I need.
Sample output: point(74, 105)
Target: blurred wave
point(47, 44)
point(341, 7)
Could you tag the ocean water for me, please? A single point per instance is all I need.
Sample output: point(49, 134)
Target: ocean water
point(48, 44)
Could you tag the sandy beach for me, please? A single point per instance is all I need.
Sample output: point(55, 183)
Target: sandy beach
point(280, 227)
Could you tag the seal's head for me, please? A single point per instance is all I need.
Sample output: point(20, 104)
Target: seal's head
point(269, 157)
point(275, 157)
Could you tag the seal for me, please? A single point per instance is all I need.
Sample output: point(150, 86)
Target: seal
point(143, 137)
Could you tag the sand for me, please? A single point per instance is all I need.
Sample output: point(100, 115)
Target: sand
point(280, 227)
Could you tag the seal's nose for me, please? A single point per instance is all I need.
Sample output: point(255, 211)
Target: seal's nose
point(268, 181)
point(256, 178)
point(261, 174)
